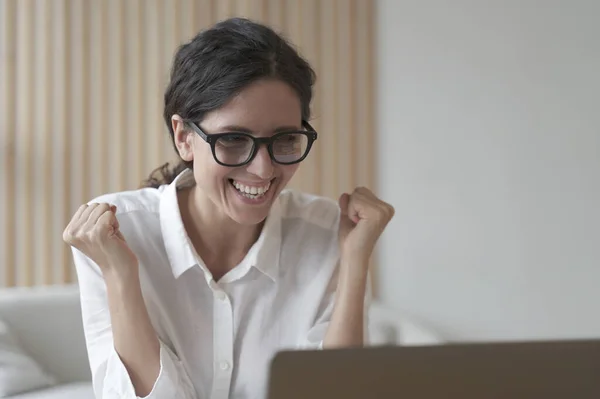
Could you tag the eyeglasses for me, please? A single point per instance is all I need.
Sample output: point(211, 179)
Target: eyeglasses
point(238, 148)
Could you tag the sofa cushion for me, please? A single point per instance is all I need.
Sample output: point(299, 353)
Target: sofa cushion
point(47, 322)
point(75, 390)
point(19, 372)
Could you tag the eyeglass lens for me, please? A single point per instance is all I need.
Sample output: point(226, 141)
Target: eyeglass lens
point(237, 149)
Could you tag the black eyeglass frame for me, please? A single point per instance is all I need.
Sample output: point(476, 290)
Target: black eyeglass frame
point(212, 139)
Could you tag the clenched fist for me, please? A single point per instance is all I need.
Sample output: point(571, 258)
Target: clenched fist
point(363, 219)
point(94, 230)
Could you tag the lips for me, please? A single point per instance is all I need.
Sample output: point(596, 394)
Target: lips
point(251, 191)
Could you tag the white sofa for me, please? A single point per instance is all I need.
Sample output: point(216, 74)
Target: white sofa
point(47, 323)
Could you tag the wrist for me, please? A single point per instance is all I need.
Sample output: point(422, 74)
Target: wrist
point(355, 260)
point(353, 275)
point(355, 254)
point(121, 279)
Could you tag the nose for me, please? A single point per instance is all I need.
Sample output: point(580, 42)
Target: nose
point(262, 165)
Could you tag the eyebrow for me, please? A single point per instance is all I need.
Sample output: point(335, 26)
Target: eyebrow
point(241, 129)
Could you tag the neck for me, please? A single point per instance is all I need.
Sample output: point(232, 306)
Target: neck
point(221, 242)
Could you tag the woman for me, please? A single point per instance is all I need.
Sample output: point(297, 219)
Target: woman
point(189, 286)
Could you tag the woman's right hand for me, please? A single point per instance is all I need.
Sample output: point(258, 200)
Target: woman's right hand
point(94, 230)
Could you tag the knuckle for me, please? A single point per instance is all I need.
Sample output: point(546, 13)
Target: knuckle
point(100, 229)
point(70, 231)
point(90, 236)
point(67, 236)
point(71, 235)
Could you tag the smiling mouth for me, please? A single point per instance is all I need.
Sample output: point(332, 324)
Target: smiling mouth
point(251, 192)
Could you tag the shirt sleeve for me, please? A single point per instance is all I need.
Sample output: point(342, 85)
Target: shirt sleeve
point(109, 376)
point(316, 335)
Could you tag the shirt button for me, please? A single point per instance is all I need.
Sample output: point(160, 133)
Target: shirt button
point(224, 365)
point(221, 295)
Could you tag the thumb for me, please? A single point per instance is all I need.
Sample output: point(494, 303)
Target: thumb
point(109, 224)
point(345, 223)
point(344, 202)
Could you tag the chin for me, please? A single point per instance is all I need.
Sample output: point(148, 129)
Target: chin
point(250, 207)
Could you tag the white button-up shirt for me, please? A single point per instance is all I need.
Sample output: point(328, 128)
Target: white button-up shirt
point(217, 338)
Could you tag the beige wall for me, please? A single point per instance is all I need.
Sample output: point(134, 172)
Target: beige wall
point(81, 84)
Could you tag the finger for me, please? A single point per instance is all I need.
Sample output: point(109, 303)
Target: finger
point(365, 206)
point(370, 200)
point(97, 213)
point(79, 212)
point(85, 215)
point(70, 229)
point(106, 224)
point(363, 191)
point(354, 208)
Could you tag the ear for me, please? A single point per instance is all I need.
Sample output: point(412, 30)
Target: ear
point(183, 138)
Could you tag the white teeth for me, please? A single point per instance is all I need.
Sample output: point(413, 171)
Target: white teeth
point(251, 191)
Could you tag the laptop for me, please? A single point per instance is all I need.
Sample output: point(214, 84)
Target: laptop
point(510, 370)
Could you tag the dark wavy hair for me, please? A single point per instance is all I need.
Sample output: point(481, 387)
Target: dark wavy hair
point(220, 62)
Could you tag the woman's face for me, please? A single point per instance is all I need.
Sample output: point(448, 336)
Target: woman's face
point(245, 193)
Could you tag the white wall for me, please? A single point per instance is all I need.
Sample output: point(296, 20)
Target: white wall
point(489, 123)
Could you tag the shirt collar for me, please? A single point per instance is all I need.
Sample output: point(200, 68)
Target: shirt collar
point(177, 243)
point(263, 255)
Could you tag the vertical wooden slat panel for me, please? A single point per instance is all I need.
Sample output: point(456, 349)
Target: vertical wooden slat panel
point(364, 56)
point(310, 43)
point(329, 69)
point(187, 26)
point(48, 205)
point(275, 15)
point(124, 108)
point(4, 140)
point(224, 9)
point(82, 17)
point(24, 138)
point(241, 8)
point(293, 30)
point(42, 160)
point(78, 127)
point(171, 41)
point(81, 93)
point(7, 122)
point(144, 125)
point(291, 12)
point(255, 9)
point(133, 123)
point(61, 165)
point(153, 63)
point(205, 14)
point(365, 99)
point(114, 129)
point(345, 93)
point(98, 124)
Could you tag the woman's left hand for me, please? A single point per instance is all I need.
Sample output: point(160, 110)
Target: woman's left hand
point(363, 219)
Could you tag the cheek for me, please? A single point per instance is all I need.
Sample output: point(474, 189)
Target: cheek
point(288, 171)
point(206, 170)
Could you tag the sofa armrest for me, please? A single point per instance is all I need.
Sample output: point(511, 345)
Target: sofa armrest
point(391, 327)
point(47, 323)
